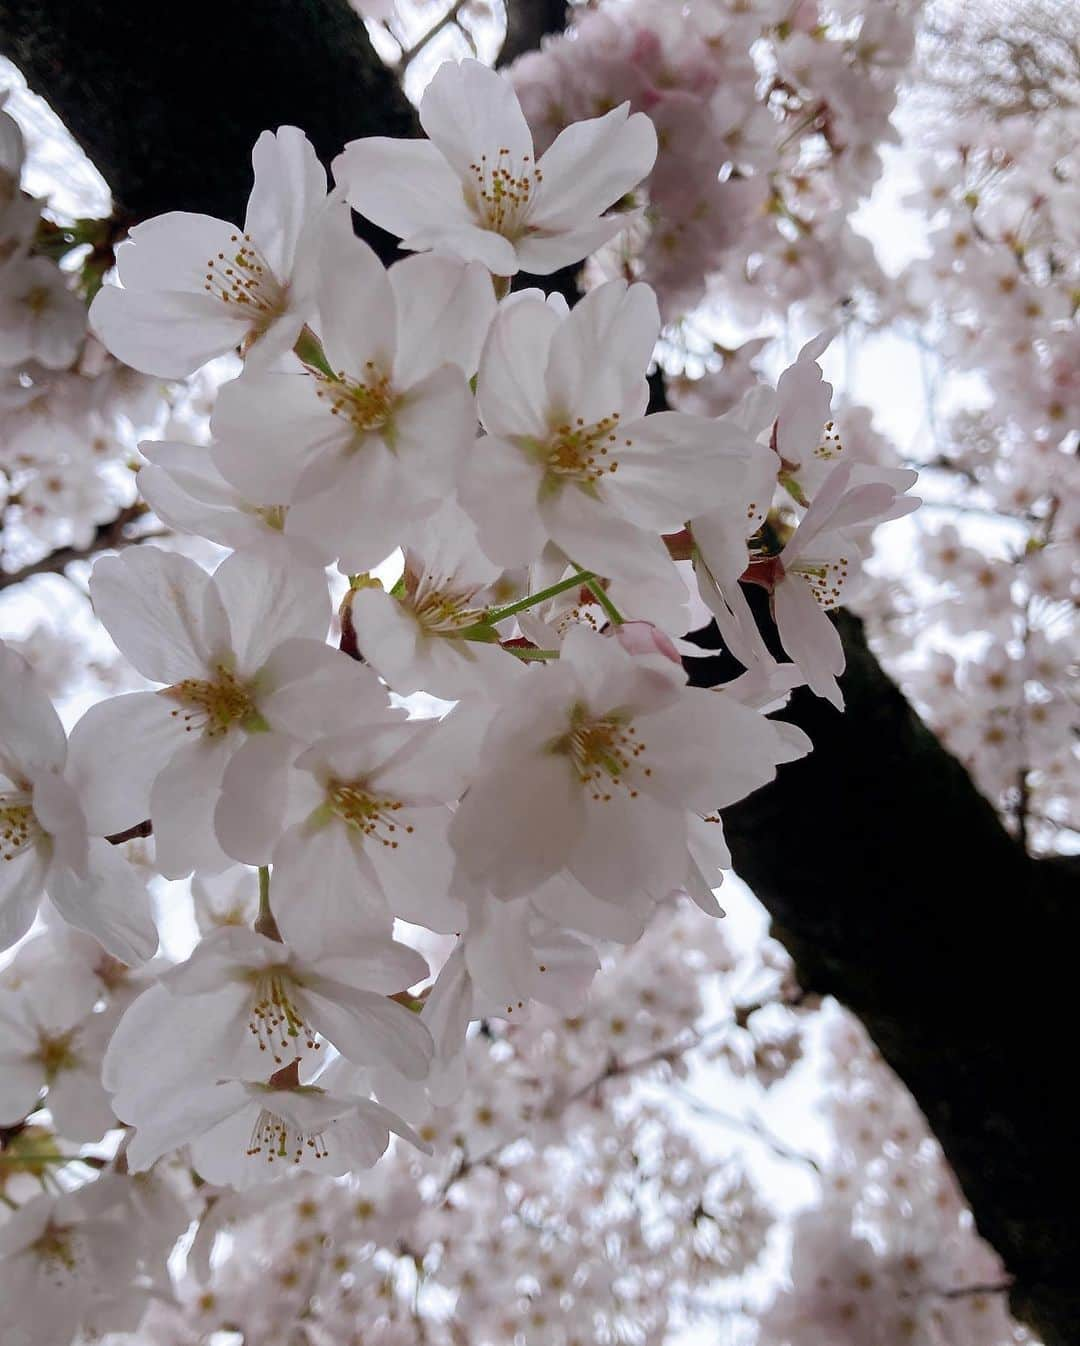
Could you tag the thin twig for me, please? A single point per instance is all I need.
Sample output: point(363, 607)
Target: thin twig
point(108, 536)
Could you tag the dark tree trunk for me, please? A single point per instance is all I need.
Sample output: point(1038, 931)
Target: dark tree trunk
point(167, 100)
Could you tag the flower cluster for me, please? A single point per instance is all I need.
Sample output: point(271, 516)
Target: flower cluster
point(890, 1253)
point(68, 408)
point(996, 303)
point(769, 117)
point(503, 442)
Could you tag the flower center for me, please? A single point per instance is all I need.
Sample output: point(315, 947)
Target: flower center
point(275, 1138)
point(273, 516)
point(57, 1248)
point(825, 578)
point(368, 402)
point(216, 706)
point(56, 1053)
point(275, 1022)
point(830, 446)
point(19, 827)
point(443, 612)
point(370, 814)
point(243, 278)
point(581, 452)
point(501, 192)
point(605, 752)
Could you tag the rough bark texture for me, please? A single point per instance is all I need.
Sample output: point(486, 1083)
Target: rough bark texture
point(527, 22)
point(167, 100)
point(887, 874)
point(896, 889)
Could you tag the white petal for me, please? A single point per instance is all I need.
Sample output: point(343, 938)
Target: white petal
point(594, 536)
point(675, 467)
point(357, 312)
point(290, 187)
point(117, 750)
point(591, 165)
point(171, 251)
point(32, 738)
point(469, 109)
point(511, 393)
point(415, 875)
point(600, 354)
point(444, 310)
point(155, 606)
point(468, 243)
point(370, 1029)
point(518, 822)
point(21, 1081)
point(111, 904)
point(541, 254)
point(21, 881)
point(810, 638)
point(629, 844)
point(57, 809)
point(187, 1115)
point(269, 600)
point(310, 690)
point(169, 334)
point(434, 428)
point(500, 491)
point(267, 429)
point(249, 817)
point(375, 965)
point(182, 803)
point(400, 185)
point(80, 1106)
point(359, 513)
point(325, 892)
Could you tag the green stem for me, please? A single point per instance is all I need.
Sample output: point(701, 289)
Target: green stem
point(496, 615)
point(599, 593)
point(264, 922)
point(533, 654)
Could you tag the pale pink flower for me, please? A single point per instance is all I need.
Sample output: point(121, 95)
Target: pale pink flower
point(193, 287)
point(475, 189)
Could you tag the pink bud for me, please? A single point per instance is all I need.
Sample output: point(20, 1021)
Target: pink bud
point(644, 638)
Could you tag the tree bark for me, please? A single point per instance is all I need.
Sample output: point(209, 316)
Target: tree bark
point(887, 874)
point(891, 881)
point(527, 22)
point(168, 100)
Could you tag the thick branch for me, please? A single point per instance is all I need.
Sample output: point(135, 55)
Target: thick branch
point(894, 885)
point(527, 21)
point(167, 100)
point(108, 536)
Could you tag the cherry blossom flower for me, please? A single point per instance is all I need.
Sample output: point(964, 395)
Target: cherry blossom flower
point(355, 824)
point(475, 189)
point(240, 652)
point(595, 763)
point(570, 456)
point(373, 446)
point(50, 1039)
point(813, 569)
point(44, 842)
point(244, 1133)
point(413, 636)
point(41, 318)
point(193, 287)
point(184, 487)
point(67, 1262)
point(244, 1005)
